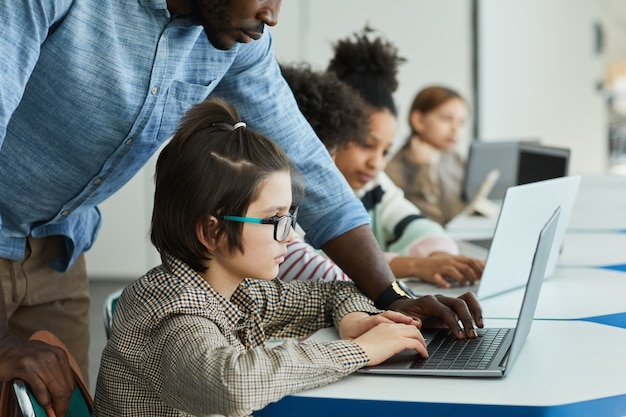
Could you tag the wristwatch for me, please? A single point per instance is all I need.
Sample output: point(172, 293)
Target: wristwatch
point(395, 291)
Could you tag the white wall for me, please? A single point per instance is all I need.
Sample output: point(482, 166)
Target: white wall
point(541, 76)
point(434, 37)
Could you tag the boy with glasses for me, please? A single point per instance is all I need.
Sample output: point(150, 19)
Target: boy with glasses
point(189, 337)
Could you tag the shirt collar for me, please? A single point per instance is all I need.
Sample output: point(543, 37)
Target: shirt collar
point(154, 4)
point(234, 311)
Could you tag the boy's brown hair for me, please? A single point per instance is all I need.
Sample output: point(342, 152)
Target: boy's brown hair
point(212, 166)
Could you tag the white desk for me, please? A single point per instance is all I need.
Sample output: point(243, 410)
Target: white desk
point(567, 295)
point(600, 207)
point(558, 373)
point(580, 371)
point(593, 249)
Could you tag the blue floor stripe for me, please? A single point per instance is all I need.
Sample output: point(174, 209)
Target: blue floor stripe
point(331, 407)
point(618, 267)
point(616, 320)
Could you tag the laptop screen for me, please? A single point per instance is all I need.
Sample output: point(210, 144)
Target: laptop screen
point(538, 163)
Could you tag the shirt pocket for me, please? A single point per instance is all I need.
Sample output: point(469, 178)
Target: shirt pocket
point(181, 96)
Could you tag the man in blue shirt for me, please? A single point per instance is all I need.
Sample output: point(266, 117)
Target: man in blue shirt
point(89, 91)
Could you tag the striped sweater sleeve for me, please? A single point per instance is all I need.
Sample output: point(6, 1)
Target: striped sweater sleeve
point(303, 263)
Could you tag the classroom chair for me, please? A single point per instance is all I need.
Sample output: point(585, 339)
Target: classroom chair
point(108, 308)
point(22, 402)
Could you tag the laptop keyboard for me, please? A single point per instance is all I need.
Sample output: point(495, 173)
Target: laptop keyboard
point(464, 354)
point(483, 243)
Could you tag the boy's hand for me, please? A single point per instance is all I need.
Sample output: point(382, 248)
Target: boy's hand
point(354, 325)
point(386, 339)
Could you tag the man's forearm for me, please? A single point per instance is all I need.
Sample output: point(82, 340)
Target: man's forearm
point(357, 252)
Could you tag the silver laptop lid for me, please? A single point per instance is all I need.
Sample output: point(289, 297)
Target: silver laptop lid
point(533, 286)
point(524, 210)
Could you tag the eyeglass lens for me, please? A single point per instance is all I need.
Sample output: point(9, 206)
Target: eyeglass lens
point(283, 226)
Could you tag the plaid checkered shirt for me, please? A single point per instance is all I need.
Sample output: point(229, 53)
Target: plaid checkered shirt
point(179, 348)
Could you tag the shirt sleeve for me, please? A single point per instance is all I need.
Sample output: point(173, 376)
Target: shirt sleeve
point(256, 87)
point(297, 309)
point(411, 232)
point(303, 263)
point(25, 26)
point(200, 373)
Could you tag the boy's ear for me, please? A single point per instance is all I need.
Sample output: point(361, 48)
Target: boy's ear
point(206, 229)
point(416, 119)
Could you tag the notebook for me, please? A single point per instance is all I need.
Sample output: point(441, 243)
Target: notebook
point(521, 214)
point(493, 353)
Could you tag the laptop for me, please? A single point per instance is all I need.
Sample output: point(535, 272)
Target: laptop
point(484, 157)
point(539, 162)
point(481, 204)
point(519, 162)
point(493, 353)
point(506, 267)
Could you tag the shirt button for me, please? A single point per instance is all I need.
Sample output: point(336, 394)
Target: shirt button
point(97, 181)
point(129, 141)
point(65, 213)
point(154, 90)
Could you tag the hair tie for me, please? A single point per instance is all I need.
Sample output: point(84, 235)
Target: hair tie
point(228, 126)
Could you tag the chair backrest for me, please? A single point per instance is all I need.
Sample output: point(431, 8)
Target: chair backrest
point(81, 403)
point(108, 308)
point(29, 407)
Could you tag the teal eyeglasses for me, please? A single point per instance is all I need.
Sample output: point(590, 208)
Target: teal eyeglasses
point(282, 224)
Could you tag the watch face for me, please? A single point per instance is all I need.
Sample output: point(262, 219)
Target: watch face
point(402, 289)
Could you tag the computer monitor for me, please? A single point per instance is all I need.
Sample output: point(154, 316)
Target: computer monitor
point(539, 162)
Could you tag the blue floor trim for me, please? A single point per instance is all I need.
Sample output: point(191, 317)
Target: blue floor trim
point(618, 267)
point(331, 407)
point(616, 320)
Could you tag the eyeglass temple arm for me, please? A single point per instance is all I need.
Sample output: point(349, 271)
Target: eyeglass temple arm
point(244, 219)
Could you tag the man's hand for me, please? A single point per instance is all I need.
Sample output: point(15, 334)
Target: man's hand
point(43, 367)
point(461, 315)
point(439, 268)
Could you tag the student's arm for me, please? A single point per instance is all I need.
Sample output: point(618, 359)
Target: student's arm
point(422, 246)
point(383, 335)
point(303, 263)
point(406, 230)
point(438, 268)
point(200, 373)
point(297, 309)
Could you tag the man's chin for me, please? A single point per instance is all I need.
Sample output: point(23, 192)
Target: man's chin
point(223, 43)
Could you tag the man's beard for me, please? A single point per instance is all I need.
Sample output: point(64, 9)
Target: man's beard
point(216, 19)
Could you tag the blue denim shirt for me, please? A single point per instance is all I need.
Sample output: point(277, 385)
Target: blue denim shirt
point(89, 91)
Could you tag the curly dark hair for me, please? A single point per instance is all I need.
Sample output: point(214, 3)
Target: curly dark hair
point(369, 66)
point(337, 113)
